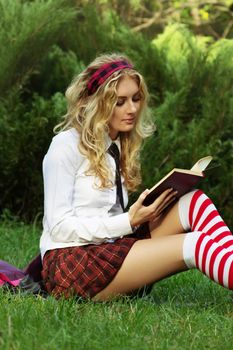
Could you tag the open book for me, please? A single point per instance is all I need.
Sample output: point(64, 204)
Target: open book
point(180, 180)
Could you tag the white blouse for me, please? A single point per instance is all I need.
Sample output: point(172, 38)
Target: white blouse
point(76, 212)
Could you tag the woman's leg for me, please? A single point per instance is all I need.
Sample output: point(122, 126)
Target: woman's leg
point(170, 250)
point(148, 261)
point(210, 257)
point(168, 224)
point(194, 212)
point(212, 252)
point(151, 260)
point(198, 213)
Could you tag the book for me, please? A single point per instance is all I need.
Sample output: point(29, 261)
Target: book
point(181, 180)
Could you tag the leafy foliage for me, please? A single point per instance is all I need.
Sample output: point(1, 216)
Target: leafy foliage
point(209, 18)
point(194, 114)
point(27, 32)
point(26, 135)
point(189, 77)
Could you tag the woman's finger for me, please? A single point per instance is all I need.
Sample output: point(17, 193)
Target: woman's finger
point(171, 196)
point(166, 203)
point(165, 196)
point(143, 196)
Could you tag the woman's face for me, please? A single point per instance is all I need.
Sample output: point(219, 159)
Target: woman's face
point(128, 104)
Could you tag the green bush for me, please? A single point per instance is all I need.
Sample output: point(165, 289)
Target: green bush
point(27, 32)
point(190, 80)
point(26, 136)
point(194, 114)
point(30, 110)
point(96, 33)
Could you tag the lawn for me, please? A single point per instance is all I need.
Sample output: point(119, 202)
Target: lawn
point(186, 311)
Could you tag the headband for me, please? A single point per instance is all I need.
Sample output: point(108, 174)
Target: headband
point(101, 74)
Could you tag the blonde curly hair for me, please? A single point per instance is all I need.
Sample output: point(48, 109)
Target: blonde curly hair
point(90, 115)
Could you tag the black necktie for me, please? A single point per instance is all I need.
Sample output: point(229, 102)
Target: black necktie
point(114, 152)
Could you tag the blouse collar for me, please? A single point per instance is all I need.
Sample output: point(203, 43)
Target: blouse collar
point(109, 141)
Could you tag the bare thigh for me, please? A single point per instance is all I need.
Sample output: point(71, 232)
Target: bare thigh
point(169, 224)
point(148, 261)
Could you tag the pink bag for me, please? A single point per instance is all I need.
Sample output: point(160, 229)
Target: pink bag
point(10, 274)
point(27, 281)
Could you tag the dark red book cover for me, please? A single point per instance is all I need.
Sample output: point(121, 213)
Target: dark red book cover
point(181, 182)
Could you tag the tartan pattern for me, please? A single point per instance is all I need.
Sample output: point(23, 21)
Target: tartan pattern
point(84, 271)
point(101, 74)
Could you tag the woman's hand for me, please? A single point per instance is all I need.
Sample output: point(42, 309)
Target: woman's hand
point(139, 214)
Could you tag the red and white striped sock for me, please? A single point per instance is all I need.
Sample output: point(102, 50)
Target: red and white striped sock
point(202, 252)
point(198, 213)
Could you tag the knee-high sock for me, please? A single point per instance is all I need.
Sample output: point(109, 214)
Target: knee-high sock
point(211, 258)
point(198, 213)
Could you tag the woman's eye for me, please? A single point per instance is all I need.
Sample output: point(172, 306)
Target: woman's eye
point(137, 98)
point(120, 102)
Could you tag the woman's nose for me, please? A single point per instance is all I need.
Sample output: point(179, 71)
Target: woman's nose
point(132, 108)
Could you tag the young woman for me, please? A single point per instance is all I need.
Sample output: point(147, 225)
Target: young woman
point(91, 245)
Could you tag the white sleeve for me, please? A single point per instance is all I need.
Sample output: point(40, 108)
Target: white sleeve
point(59, 169)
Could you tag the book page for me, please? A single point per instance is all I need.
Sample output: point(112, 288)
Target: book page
point(201, 164)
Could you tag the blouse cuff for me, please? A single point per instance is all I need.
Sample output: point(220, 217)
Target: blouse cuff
point(122, 223)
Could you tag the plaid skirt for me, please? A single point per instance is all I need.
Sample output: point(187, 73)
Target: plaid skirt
point(83, 271)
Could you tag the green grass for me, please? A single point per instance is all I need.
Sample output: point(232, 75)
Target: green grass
point(186, 311)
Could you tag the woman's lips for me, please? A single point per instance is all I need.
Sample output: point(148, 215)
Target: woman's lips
point(129, 120)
